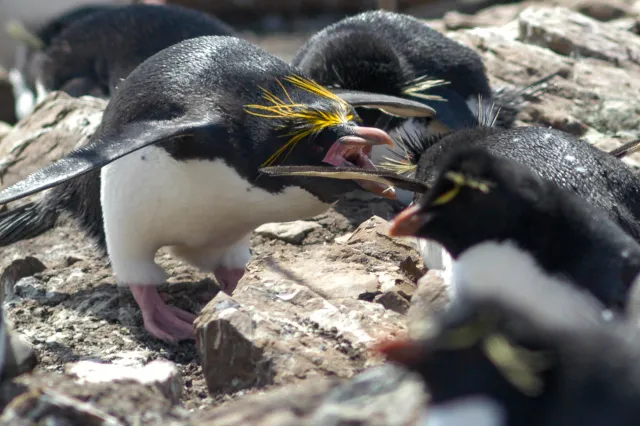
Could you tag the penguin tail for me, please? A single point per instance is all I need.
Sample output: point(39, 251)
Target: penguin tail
point(509, 102)
point(26, 221)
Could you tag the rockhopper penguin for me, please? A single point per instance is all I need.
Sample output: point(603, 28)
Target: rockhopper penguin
point(29, 53)
point(94, 51)
point(607, 184)
point(175, 163)
point(514, 354)
point(397, 54)
point(501, 222)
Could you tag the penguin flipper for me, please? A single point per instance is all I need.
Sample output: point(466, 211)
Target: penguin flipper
point(26, 221)
point(392, 105)
point(349, 173)
point(104, 150)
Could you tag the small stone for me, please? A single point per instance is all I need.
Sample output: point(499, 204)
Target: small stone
point(291, 232)
point(393, 301)
point(17, 270)
point(160, 373)
point(29, 288)
point(224, 340)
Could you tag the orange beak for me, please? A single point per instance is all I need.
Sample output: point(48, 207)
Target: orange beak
point(401, 351)
point(407, 223)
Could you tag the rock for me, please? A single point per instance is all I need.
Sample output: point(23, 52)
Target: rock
point(602, 11)
point(563, 31)
point(161, 374)
point(370, 398)
point(373, 398)
point(430, 297)
point(58, 399)
point(291, 232)
point(224, 338)
point(283, 325)
point(57, 125)
point(393, 301)
point(288, 406)
point(18, 269)
point(47, 407)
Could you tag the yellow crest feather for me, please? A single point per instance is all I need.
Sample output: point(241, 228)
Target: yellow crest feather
point(420, 85)
point(309, 120)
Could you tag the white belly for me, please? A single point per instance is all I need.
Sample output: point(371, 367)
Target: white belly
point(150, 201)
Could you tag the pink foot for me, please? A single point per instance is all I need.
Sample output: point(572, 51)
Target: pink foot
point(165, 322)
point(228, 278)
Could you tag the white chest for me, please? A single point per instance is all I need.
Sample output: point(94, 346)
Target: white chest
point(192, 203)
point(500, 265)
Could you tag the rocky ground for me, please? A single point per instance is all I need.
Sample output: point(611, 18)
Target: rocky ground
point(293, 344)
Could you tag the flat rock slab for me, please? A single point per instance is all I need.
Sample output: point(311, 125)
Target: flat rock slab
point(58, 125)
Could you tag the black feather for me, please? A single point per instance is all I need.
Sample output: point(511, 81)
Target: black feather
point(26, 221)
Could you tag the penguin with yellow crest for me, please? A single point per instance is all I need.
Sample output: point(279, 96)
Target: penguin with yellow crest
point(175, 163)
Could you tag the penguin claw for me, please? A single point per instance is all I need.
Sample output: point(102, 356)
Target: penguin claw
point(162, 321)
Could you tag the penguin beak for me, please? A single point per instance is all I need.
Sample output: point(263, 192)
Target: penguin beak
point(408, 222)
point(402, 351)
point(354, 151)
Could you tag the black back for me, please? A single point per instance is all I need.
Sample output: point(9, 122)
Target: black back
point(104, 47)
point(568, 237)
point(382, 52)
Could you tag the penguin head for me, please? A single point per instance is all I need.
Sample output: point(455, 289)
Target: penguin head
point(317, 127)
point(476, 197)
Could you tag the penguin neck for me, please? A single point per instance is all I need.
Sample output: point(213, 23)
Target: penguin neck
point(499, 263)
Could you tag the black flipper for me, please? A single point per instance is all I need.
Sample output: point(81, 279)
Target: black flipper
point(392, 105)
point(349, 173)
point(102, 151)
point(26, 221)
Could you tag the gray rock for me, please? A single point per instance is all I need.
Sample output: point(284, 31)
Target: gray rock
point(225, 341)
point(393, 301)
point(17, 270)
point(373, 398)
point(291, 232)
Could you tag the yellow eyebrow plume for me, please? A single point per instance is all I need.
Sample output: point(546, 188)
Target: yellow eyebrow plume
point(307, 120)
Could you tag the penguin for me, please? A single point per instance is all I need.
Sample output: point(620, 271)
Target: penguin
point(174, 163)
point(29, 50)
point(599, 178)
point(397, 54)
point(500, 221)
point(96, 50)
point(525, 355)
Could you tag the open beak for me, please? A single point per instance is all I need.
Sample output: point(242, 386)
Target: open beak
point(355, 150)
point(408, 222)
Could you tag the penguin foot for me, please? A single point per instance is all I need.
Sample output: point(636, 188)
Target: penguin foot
point(162, 321)
point(228, 278)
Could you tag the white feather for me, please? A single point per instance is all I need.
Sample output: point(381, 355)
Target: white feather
point(202, 209)
point(25, 99)
point(471, 411)
point(498, 264)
